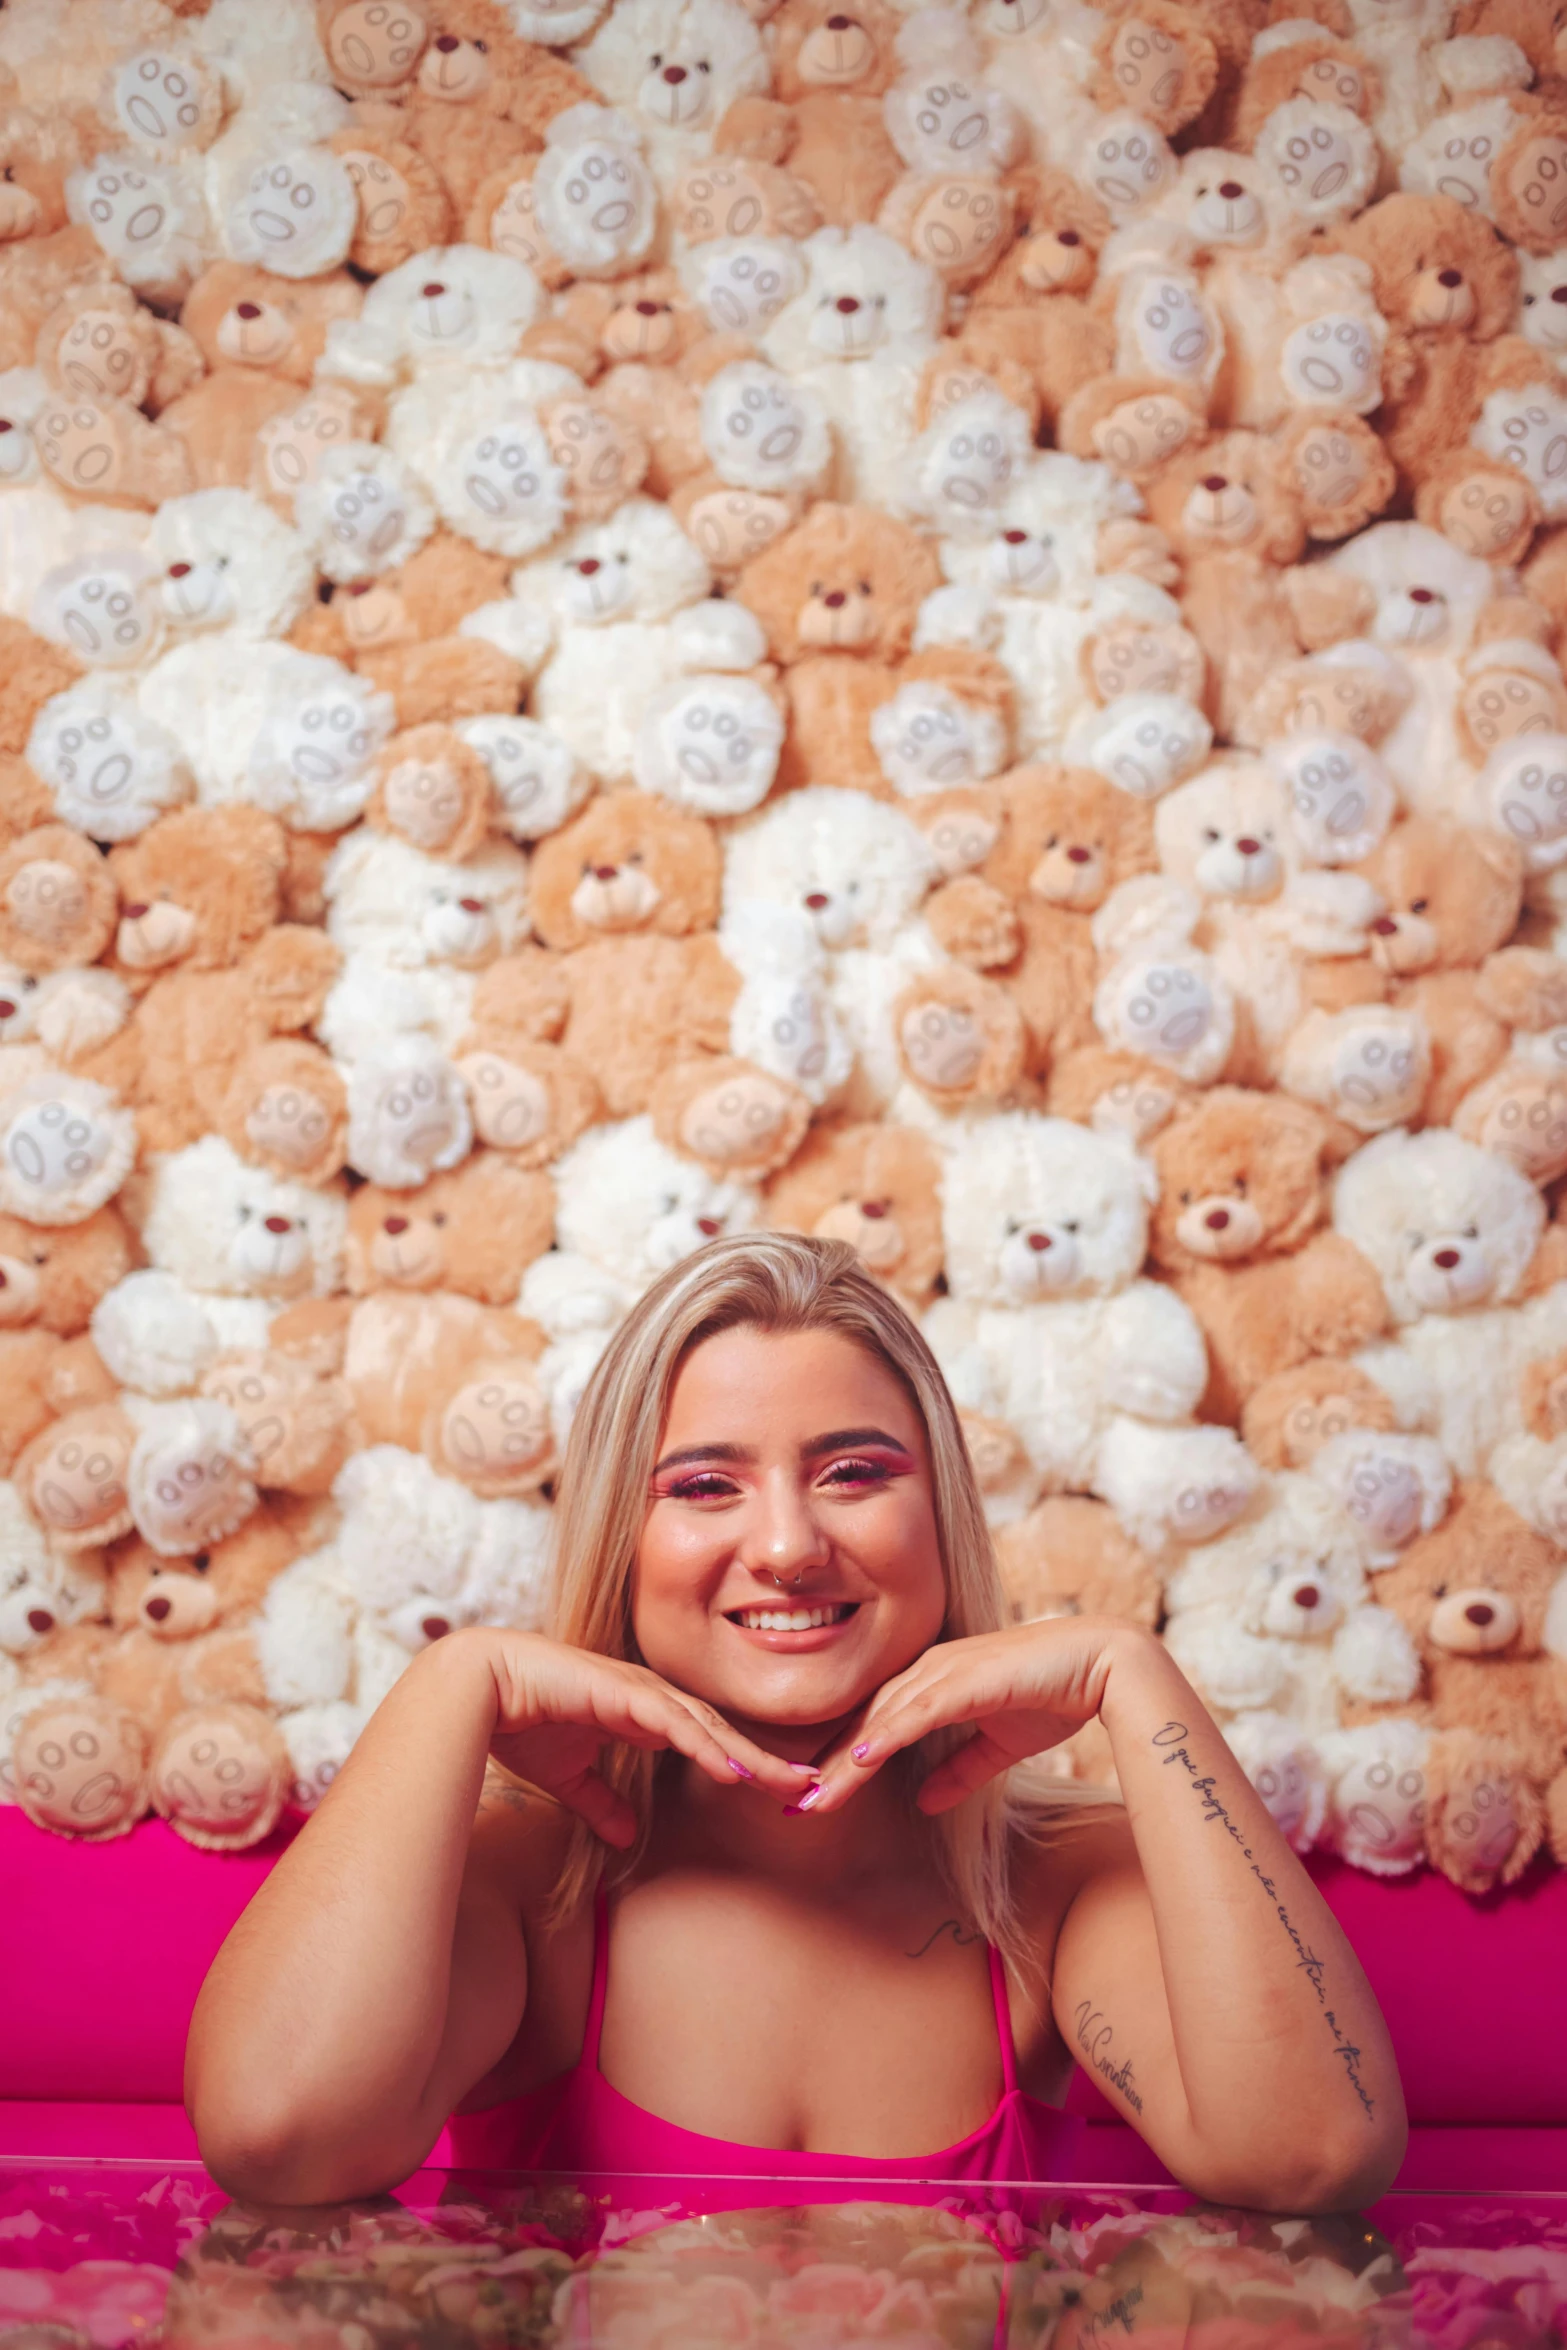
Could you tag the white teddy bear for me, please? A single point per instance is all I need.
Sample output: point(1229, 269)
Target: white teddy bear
point(858, 336)
point(1451, 1230)
point(226, 561)
point(452, 306)
point(109, 767)
point(415, 1556)
point(292, 732)
point(857, 871)
point(362, 511)
point(41, 1589)
point(626, 603)
point(676, 67)
point(1048, 1326)
point(227, 1246)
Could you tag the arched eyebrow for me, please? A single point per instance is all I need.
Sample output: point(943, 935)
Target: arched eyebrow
point(839, 1440)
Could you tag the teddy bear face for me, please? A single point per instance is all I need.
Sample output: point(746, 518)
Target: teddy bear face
point(1288, 1419)
point(1451, 896)
point(1478, 1585)
point(1069, 838)
point(627, 863)
point(1239, 1174)
point(407, 910)
point(1542, 299)
point(240, 316)
point(227, 561)
point(1228, 497)
point(176, 1596)
point(197, 888)
point(217, 1224)
point(1038, 1208)
point(676, 65)
point(846, 579)
point(473, 1230)
point(856, 868)
point(818, 46)
point(631, 1206)
point(1448, 1227)
point(639, 565)
point(865, 295)
point(1225, 833)
point(450, 303)
point(1437, 266)
point(876, 1187)
point(41, 1591)
point(51, 1277)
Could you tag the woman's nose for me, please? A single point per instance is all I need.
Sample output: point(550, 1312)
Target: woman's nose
point(785, 1537)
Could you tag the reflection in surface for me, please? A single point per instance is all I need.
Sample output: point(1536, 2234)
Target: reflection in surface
point(96, 2257)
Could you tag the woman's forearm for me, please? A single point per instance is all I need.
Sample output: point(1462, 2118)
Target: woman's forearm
point(323, 2014)
point(1280, 2045)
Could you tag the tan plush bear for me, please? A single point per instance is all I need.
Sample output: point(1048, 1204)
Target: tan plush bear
point(1288, 1419)
point(628, 892)
point(400, 631)
point(1235, 1233)
point(877, 1187)
point(260, 337)
point(51, 1277)
point(1022, 925)
point(404, 207)
point(831, 70)
point(177, 1714)
point(1029, 312)
point(1474, 1595)
point(531, 1097)
point(838, 596)
point(41, 254)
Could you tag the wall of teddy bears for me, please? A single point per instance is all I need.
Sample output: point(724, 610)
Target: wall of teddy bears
point(623, 622)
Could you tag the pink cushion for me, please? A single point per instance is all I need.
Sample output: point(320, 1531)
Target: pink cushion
point(106, 1945)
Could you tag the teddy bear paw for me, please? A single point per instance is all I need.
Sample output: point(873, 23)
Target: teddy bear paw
point(296, 215)
point(597, 203)
point(80, 1768)
point(927, 740)
point(1146, 742)
point(1377, 1804)
point(65, 1148)
point(77, 1483)
point(1166, 1009)
point(47, 900)
point(496, 1430)
point(511, 1106)
point(377, 42)
point(1537, 185)
point(310, 762)
point(536, 776)
point(958, 224)
point(1341, 796)
point(219, 1775)
point(1317, 155)
point(710, 745)
point(190, 1478)
point(760, 431)
point(506, 489)
point(943, 1045)
point(127, 207)
point(1377, 1074)
point(98, 608)
point(1524, 787)
point(1175, 334)
point(290, 447)
point(97, 360)
point(745, 281)
point(739, 1123)
point(1128, 164)
point(290, 1125)
point(973, 457)
point(408, 1116)
point(1529, 429)
point(1331, 362)
point(360, 516)
point(600, 458)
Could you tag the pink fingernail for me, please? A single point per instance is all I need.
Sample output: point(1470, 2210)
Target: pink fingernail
point(809, 1769)
point(862, 1750)
point(740, 1767)
point(812, 1795)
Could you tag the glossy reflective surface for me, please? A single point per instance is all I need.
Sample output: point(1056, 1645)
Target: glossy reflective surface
point(94, 2256)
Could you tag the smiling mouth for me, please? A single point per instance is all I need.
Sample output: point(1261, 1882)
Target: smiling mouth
point(792, 1619)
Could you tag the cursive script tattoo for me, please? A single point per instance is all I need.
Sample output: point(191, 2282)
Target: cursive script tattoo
point(1117, 2316)
point(1094, 2036)
point(1203, 1785)
point(960, 1935)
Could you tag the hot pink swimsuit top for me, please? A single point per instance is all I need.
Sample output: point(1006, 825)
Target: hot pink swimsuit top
point(580, 2123)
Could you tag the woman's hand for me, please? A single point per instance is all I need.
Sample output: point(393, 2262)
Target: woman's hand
point(1021, 1691)
point(558, 1707)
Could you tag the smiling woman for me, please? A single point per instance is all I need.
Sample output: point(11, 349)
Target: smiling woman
point(744, 1869)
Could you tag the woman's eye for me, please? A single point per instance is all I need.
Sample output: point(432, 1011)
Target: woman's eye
point(707, 1485)
point(856, 1472)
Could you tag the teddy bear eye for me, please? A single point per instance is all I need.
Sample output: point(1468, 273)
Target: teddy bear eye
point(634, 857)
point(1012, 1225)
point(439, 1219)
point(1208, 832)
point(816, 587)
point(655, 62)
point(1186, 1199)
point(1070, 1227)
point(702, 65)
point(1417, 1240)
point(1439, 1591)
point(245, 1214)
point(1471, 1232)
point(202, 1561)
point(1240, 1185)
point(1527, 300)
point(483, 47)
point(865, 588)
point(671, 1202)
point(1418, 905)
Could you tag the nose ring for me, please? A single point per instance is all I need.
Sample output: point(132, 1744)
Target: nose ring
point(794, 1580)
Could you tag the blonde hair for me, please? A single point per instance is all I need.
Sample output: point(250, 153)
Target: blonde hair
point(772, 1281)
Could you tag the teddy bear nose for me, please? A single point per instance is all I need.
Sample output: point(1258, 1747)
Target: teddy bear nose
point(39, 1620)
point(1307, 1596)
point(1077, 855)
point(1249, 848)
point(1216, 1219)
point(1013, 538)
point(156, 1608)
point(834, 599)
point(710, 1226)
point(1213, 483)
point(7, 1008)
point(1422, 596)
point(446, 43)
point(816, 899)
point(434, 1627)
point(1447, 1258)
point(360, 587)
point(179, 570)
point(471, 905)
point(605, 872)
point(394, 1225)
point(1384, 926)
point(1039, 1241)
point(674, 73)
point(647, 310)
point(1068, 236)
point(1230, 190)
point(1449, 277)
point(1559, 293)
point(247, 309)
point(134, 913)
point(278, 1224)
point(839, 24)
point(433, 291)
point(1479, 1612)
point(875, 1209)
point(848, 304)
point(588, 564)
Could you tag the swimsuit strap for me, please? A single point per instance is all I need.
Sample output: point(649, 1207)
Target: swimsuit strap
point(998, 1991)
point(595, 2029)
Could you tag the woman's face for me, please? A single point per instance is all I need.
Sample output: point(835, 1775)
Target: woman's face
point(799, 1457)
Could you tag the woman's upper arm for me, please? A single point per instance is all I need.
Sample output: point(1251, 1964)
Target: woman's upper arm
point(514, 1856)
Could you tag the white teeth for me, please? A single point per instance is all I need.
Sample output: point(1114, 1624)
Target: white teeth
point(797, 1619)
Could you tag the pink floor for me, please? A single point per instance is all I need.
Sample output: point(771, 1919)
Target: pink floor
point(104, 1947)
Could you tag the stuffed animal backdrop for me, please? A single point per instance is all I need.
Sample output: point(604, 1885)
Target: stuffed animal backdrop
point(624, 622)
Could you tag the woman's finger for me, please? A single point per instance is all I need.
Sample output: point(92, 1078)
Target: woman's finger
point(974, 1765)
point(609, 1815)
